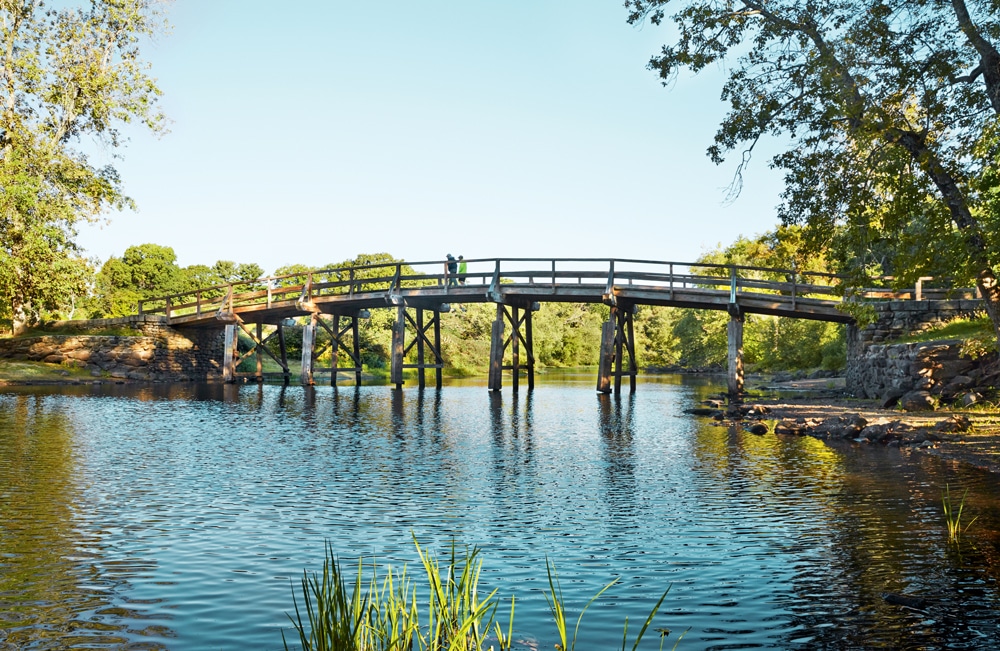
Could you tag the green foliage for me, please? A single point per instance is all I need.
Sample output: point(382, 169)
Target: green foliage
point(790, 344)
point(568, 334)
point(702, 338)
point(863, 313)
point(888, 113)
point(70, 72)
point(150, 270)
point(656, 343)
point(143, 271)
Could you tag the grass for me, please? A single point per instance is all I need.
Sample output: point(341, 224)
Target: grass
point(43, 331)
point(952, 517)
point(960, 328)
point(382, 614)
point(20, 371)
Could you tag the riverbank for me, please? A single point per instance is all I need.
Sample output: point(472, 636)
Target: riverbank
point(820, 408)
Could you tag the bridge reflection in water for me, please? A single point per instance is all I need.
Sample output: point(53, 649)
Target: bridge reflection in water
point(334, 300)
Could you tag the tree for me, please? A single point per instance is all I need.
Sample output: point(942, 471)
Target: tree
point(143, 271)
point(892, 108)
point(65, 74)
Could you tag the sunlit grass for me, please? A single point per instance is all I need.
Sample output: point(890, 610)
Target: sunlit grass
point(382, 614)
point(21, 371)
point(953, 517)
point(959, 328)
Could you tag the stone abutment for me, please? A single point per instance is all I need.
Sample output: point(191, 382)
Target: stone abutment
point(140, 348)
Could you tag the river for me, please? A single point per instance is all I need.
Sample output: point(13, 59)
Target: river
point(180, 517)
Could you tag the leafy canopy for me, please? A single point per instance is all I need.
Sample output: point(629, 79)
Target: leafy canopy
point(889, 110)
point(70, 78)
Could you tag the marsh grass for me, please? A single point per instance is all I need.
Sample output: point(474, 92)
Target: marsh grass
point(382, 614)
point(952, 517)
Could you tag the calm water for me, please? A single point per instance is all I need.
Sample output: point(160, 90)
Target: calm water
point(175, 517)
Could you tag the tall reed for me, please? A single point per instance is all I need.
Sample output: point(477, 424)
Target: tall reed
point(338, 614)
point(952, 517)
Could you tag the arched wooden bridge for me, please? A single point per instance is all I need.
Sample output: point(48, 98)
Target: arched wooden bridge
point(335, 299)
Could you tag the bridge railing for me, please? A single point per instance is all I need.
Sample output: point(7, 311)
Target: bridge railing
point(390, 277)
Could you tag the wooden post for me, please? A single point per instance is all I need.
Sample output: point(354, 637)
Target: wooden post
point(308, 339)
point(515, 349)
point(633, 366)
point(496, 351)
point(355, 334)
point(734, 330)
point(437, 346)
point(334, 350)
point(607, 354)
point(531, 347)
point(619, 336)
point(229, 354)
point(284, 351)
point(396, 362)
point(257, 352)
point(420, 347)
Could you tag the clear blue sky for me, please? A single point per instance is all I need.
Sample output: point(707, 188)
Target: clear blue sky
point(315, 130)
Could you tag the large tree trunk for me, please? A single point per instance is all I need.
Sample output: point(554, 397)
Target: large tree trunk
point(975, 242)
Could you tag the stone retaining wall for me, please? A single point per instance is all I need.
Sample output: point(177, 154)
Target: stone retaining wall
point(878, 368)
point(156, 352)
point(897, 319)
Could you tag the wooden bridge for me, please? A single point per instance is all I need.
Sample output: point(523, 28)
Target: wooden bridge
point(335, 300)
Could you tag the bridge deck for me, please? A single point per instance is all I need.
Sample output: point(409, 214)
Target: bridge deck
point(516, 281)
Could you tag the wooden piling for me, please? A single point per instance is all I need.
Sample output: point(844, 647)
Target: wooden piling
point(530, 345)
point(606, 361)
point(515, 350)
point(229, 354)
point(257, 352)
point(308, 341)
point(284, 353)
point(734, 330)
point(398, 334)
point(334, 349)
point(496, 351)
point(420, 348)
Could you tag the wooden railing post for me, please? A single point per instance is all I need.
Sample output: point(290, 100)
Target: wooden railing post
point(167, 308)
point(795, 277)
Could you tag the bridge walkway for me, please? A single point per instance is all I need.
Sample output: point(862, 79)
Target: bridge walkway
point(517, 286)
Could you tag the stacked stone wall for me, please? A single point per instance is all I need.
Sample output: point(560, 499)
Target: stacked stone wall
point(879, 368)
point(156, 352)
point(895, 319)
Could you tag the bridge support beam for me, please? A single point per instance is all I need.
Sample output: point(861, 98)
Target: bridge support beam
point(232, 358)
point(427, 345)
point(308, 339)
point(229, 354)
point(617, 340)
point(337, 342)
point(734, 331)
point(519, 318)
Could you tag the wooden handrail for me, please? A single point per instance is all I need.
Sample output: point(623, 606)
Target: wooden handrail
point(389, 276)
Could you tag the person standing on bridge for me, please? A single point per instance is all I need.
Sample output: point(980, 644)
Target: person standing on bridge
point(452, 267)
point(463, 268)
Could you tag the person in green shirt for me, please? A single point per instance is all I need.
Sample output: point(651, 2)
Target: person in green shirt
point(463, 267)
